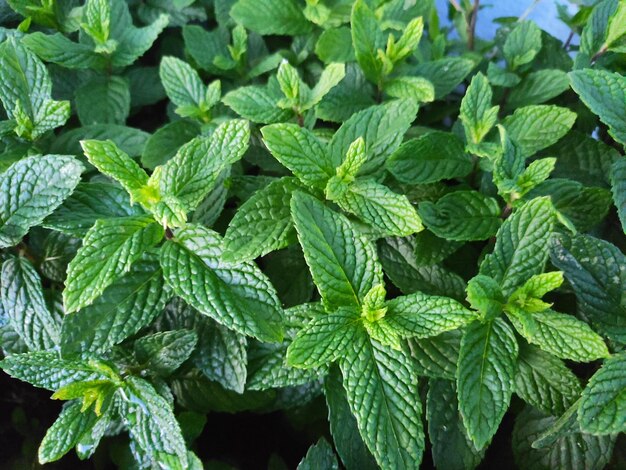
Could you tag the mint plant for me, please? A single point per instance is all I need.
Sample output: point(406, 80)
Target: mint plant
point(396, 242)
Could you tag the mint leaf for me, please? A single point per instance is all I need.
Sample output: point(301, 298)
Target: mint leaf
point(462, 215)
point(432, 157)
point(109, 249)
point(165, 351)
point(31, 189)
point(323, 339)
point(485, 377)
point(381, 384)
point(538, 87)
point(452, 448)
point(70, 427)
point(257, 103)
point(566, 337)
point(603, 405)
point(618, 186)
point(24, 304)
point(544, 382)
point(367, 39)
point(420, 315)
point(113, 162)
point(88, 203)
point(271, 17)
point(239, 296)
point(522, 44)
point(181, 82)
point(103, 101)
point(537, 127)
point(605, 94)
point(192, 173)
point(152, 425)
point(320, 455)
point(343, 425)
point(127, 305)
point(595, 269)
point(522, 245)
point(380, 207)
point(445, 74)
point(47, 370)
point(381, 127)
point(262, 224)
point(300, 151)
point(26, 92)
point(343, 263)
point(477, 114)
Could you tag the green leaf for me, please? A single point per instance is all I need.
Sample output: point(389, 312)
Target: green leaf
point(603, 405)
point(335, 45)
point(165, 351)
point(570, 451)
point(329, 78)
point(419, 315)
point(192, 173)
point(31, 189)
point(88, 203)
point(605, 94)
point(595, 270)
point(26, 91)
point(257, 103)
point(522, 44)
point(165, 142)
point(462, 215)
point(58, 49)
point(262, 224)
point(566, 337)
point(47, 370)
point(537, 127)
point(324, 339)
point(380, 207)
point(397, 256)
point(585, 207)
point(271, 17)
point(343, 425)
point(181, 82)
point(318, 456)
point(582, 158)
point(484, 295)
point(618, 186)
point(103, 100)
point(445, 74)
point(344, 265)
point(381, 386)
point(109, 249)
point(239, 296)
point(24, 304)
point(299, 150)
point(130, 303)
point(96, 20)
point(415, 88)
point(432, 157)
point(486, 377)
point(367, 39)
point(112, 162)
point(522, 245)
point(151, 423)
point(352, 95)
point(538, 87)
point(452, 448)
point(544, 382)
point(477, 114)
point(69, 428)
point(382, 127)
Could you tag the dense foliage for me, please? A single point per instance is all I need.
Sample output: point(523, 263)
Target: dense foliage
point(258, 205)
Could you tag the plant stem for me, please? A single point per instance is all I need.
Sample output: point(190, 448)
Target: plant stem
point(471, 25)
